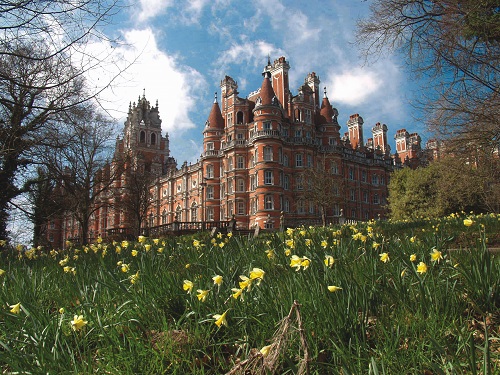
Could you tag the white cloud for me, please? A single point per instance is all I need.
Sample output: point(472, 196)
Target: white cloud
point(175, 86)
point(352, 87)
point(152, 8)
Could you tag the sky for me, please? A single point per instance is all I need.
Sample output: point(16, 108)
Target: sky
point(178, 51)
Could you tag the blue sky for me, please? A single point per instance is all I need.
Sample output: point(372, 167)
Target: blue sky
point(182, 49)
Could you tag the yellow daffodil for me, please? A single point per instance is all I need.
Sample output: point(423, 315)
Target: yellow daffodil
point(295, 262)
point(436, 255)
point(333, 288)
point(222, 244)
point(187, 266)
point(237, 293)
point(15, 309)
point(245, 282)
point(329, 260)
point(78, 323)
point(219, 235)
point(99, 239)
point(308, 242)
point(230, 234)
point(141, 239)
point(196, 243)
point(422, 268)
point(202, 294)
point(124, 244)
point(220, 319)
point(134, 253)
point(306, 262)
point(125, 268)
point(324, 244)
point(2, 272)
point(188, 286)
point(376, 245)
point(270, 253)
point(384, 257)
point(413, 257)
point(61, 310)
point(257, 273)
point(468, 222)
point(288, 252)
point(160, 250)
point(217, 279)
point(134, 278)
point(147, 247)
point(64, 261)
point(412, 239)
point(156, 241)
point(265, 350)
point(289, 231)
point(290, 243)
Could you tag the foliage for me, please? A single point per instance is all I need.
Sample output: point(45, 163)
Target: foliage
point(203, 305)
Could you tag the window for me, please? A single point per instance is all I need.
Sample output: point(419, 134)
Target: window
point(382, 180)
point(253, 206)
point(239, 117)
point(298, 133)
point(286, 182)
point(142, 138)
point(309, 160)
point(298, 160)
point(153, 138)
point(194, 212)
point(374, 179)
point(336, 210)
point(332, 141)
point(285, 160)
point(266, 125)
point(164, 217)
point(300, 207)
point(351, 174)
point(280, 155)
point(352, 194)
point(230, 209)
point(230, 163)
point(286, 205)
point(178, 213)
point(363, 175)
point(376, 199)
point(241, 207)
point(365, 196)
point(268, 153)
point(353, 213)
point(230, 186)
point(210, 192)
point(268, 202)
point(240, 185)
point(311, 207)
point(335, 168)
point(252, 182)
point(240, 136)
point(240, 162)
point(210, 146)
point(229, 119)
point(308, 116)
point(210, 214)
point(299, 182)
point(268, 177)
point(210, 171)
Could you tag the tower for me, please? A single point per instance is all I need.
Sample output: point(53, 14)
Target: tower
point(355, 127)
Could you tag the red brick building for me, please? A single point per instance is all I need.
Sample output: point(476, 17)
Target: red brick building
point(258, 154)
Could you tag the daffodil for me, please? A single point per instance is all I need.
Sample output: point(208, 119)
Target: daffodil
point(329, 260)
point(265, 350)
point(147, 247)
point(245, 282)
point(78, 323)
point(333, 288)
point(295, 262)
point(217, 280)
point(306, 262)
point(134, 253)
point(61, 310)
point(125, 268)
point(384, 257)
point(270, 253)
point(202, 294)
point(257, 273)
point(196, 243)
point(376, 245)
point(290, 243)
point(468, 222)
point(436, 255)
point(156, 241)
point(288, 252)
point(160, 250)
point(220, 319)
point(422, 268)
point(237, 292)
point(222, 244)
point(2, 272)
point(289, 231)
point(403, 272)
point(134, 278)
point(308, 242)
point(413, 257)
point(324, 244)
point(188, 286)
point(141, 239)
point(15, 309)
point(125, 244)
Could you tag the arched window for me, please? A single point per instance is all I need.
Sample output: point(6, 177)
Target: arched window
point(239, 117)
point(194, 212)
point(178, 213)
point(142, 136)
point(164, 217)
point(153, 138)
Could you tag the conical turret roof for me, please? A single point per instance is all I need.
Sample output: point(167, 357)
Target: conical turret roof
point(215, 119)
point(266, 91)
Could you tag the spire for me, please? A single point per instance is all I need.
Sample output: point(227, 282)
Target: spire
point(215, 97)
point(326, 112)
point(215, 119)
point(324, 93)
point(266, 91)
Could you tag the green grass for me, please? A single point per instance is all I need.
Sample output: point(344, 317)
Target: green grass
point(387, 318)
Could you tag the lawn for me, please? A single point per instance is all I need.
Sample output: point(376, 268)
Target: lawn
point(382, 297)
